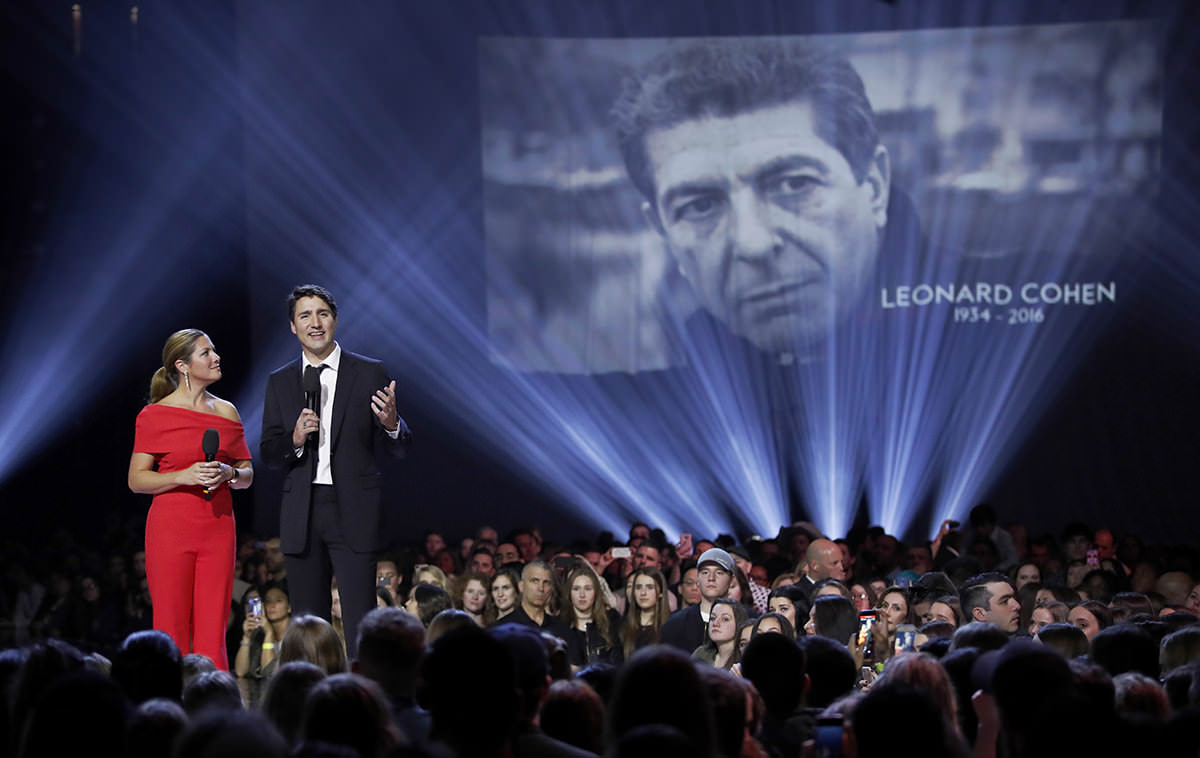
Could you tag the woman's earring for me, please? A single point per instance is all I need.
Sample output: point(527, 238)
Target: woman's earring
point(187, 378)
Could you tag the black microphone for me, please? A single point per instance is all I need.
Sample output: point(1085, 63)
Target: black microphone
point(312, 393)
point(210, 443)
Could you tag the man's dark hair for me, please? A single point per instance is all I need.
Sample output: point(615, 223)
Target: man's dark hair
point(230, 733)
point(777, 667)
point(391, 643)
point(148, 665)
point(212, 690)
point(835, 617)
point(979, 634)
point(310, 290)
point(1124, 648)
point(1066, 639)
point(727, 694)
point(283, 701)
point(831, 670)
point(431, 600)
point(637, 698)
point(471, 726)
point(153, 728)
point(730, 77)
point(891, 708)
point(974, 592)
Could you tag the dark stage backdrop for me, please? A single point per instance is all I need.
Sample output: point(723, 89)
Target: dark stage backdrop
point(449, 171)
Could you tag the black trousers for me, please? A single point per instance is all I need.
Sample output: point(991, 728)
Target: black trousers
point(327, 555)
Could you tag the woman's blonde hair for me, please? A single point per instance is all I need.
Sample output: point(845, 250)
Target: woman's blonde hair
point(179, 347)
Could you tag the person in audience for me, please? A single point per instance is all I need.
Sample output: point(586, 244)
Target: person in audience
point(637, 701)
point(503, 594)
point(283, 701)
point(1052, 612)
point(687, 628)
point(1067, 639)
point(391, 646)
point(946, 608)
point(536, 588)
point(593, 635)
point(1025, 573)
point(689, 587)
point(990, 598)
point(832, 671)
point(721, 646)
point(426, 601)
point(1179, 648)
point(424, 573)
point(255, 660)
point(313, 639)
point(148, 666)
point(153, 728)
point(646, 612)
point(894, 604)
point(387, 577)
point(862, 596)
point(822, 560)
point(573, 713)
point(833, 616)
point(473, 596)
point(791, 602)
point(445, 621)
point(1091, 616)
point(213, 690)
point(772, 623)
point(350, 710)
point(533, 678)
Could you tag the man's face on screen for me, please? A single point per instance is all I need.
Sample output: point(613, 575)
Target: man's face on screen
point(769, 224)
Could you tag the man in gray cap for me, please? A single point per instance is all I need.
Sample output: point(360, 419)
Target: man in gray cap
point(687, 629)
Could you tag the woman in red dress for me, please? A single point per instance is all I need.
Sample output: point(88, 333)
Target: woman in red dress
point(190, 535)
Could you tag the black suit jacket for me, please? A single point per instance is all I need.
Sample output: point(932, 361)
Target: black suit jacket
point(684, 629)
point(357, 440)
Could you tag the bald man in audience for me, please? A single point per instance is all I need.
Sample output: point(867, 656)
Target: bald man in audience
point(823, 560)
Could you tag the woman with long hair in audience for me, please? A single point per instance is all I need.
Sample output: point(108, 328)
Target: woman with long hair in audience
point(503, 595)
point(724, 620)
point(1090, 616)
point(862, 595)
point(425, 573)
point(266, 623)
point(833, 616)
point(190, 534)
point(593, 635)
point(646, 611)
point(946, 608)
point(1025, 573)
point(313, 639)
point(739, 590)
point(472, 596)
point(791, 602)
point(893, 603)
point(1045, 613)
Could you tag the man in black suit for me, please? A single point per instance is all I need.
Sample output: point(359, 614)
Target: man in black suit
point(330, 518)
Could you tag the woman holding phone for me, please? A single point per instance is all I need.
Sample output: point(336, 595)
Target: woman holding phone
point(267, 617)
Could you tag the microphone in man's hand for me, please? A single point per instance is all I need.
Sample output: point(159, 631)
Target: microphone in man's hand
point(210, 443)
point(312, 393)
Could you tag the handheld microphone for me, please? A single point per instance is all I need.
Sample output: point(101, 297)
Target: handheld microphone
point(312, 393)
point(210, 443)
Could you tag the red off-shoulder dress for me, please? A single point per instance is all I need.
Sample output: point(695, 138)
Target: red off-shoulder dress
point(191, 542)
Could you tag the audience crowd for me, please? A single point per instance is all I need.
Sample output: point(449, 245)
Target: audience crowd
point(984, 641)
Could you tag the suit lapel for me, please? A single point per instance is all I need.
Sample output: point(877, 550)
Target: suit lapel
point(342, 396)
